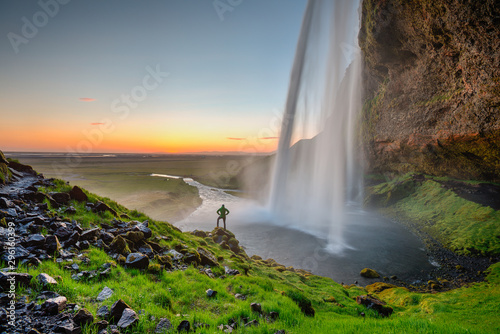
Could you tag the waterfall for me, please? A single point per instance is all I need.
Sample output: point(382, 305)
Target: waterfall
point(317, 169)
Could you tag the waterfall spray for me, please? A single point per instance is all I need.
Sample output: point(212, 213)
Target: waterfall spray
point(317, 170)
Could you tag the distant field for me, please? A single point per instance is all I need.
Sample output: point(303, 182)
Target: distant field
point(126, 178)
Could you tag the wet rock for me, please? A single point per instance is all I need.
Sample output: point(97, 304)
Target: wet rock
point(54, 305)
point(137, 260)
point(374, 303)
point(35, 240)
point(211, 293)
point(163, 326)
point(63, 233)
point(61, 198)
point(184, 326)
point(68, 327)
point(256, 307)
point(128, 318)
point(52, 243)
point(45, 279)
point(143, 227)
point(117, 309)
point(77, 194)
point(119, 245)
point(20, 279)
point(90, 234)
point(83, 317)
point(207, 258)
point(103, 312)
point(369, 273)
point(104, 294)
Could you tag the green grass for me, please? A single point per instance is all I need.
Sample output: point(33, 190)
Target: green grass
point(460, 225)
point(180, 295)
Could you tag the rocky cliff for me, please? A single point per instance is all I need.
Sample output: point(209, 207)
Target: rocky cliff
point(432, 83)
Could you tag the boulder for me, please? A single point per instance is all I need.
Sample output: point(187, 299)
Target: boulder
point(128, 318)
point(146, 250)
point(119, 245)
point(102, 207)
point(61, 198)
point(374, 303)
point(134, 236)
point(63, 233)
point(35, 240)
point(55, 305)
point(104, 294)
point(78, 195)
point(90, 234)
point(201, 234)
point(137, 260)
point(20, 279)
point(46, 279)
point(143, 227)
point(106, 237)
point(163, 326)
point(22, 168)
point(379, 287)
point(117, 309)
point(207, 258)
point(369, 273)
point(83, 317)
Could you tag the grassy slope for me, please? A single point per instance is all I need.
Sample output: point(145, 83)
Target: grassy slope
point(180, 295)
point(460, 225)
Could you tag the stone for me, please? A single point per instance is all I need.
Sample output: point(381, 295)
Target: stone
point(83, 317)
point(143, 227)
point(22, 168)
point(379, 287)
point(63, 233)
point(184, 326)
point(163, 326)
point(175, 255)
point(231, 272)
point(201, 234)
point(68, 327)
point(61, 198)
point(128, 318)
point(256, 307)
point(6, 203)
point(77, 194)
point(73, 239)
point(117, 309)
point(35, 240)
point(19, 253)
point(207, 258)
point(84, 244)
point(103, 312)
point(134, 236)
point(90, 234)
point(101, 324)
point(253, 323)
point(137, 260)
point(45, 279)
point(375, 304)
point(70, 210)
point(369, 273)
point(119, 245)
point(102, 207)
point(106, 237)
point(240, 296)
point(52, 243)
point(211, 293)
point(104, 294)
point(20, 279)
point(53, 306)
point(146, 250)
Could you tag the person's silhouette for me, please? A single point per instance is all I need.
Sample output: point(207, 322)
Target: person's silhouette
point(222, 212)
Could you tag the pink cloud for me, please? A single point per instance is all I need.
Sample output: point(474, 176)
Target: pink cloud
point(235, 138)
point(269, 138)
point(97, 123)
point(86, 99)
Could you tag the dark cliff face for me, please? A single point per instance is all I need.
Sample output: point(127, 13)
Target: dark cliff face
point(432, 83)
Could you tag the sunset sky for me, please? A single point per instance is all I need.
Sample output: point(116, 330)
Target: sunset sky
point(145, 76)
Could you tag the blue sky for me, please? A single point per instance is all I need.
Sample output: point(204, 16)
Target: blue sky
point(226, 77)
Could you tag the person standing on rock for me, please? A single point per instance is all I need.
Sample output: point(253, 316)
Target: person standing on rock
point(222, 212)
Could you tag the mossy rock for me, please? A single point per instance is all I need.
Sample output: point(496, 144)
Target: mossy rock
point(379, 287)
point(191, 257)
point(369, 273)
point(120, 245)
point(154, 268)
point(134, 236)
point(234, 245)
point(164, 260)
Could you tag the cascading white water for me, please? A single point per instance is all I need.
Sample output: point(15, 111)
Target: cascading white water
point(317, 168)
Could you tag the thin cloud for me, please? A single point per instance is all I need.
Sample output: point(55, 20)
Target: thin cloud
point(235, 138)
point(98, 123)
point(86, 99)
point(268, 138)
